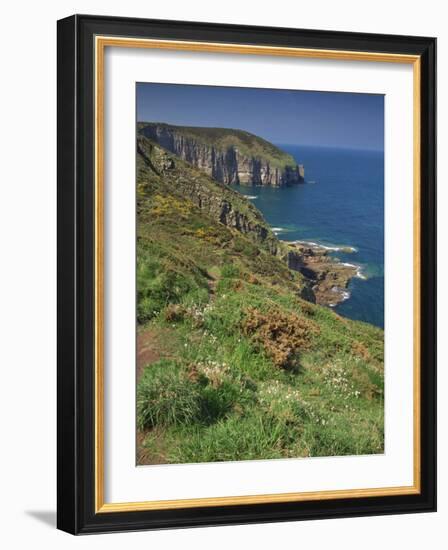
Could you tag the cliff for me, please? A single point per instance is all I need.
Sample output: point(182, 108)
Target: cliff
point(227, 155)
point(166, 173)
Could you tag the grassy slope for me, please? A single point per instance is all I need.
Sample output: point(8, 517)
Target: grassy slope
point(247, 369)
point(248, 144)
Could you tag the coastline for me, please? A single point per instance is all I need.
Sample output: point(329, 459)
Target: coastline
point(328, 276)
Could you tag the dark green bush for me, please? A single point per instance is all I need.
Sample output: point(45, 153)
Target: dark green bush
point(230, 271)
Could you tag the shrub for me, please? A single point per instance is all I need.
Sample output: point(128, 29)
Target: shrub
point(251, 279)
point(225, 285)
point(166, 205)
point(230, 271)
point(307, 308)
point(281, 334)
point(174, 312)
point(360, 350)
point(222, 391)
point(165, 396)
point(157, 287)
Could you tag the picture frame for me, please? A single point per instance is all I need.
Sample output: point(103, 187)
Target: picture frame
point(82, 202)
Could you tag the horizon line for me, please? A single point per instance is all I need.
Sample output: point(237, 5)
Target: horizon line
point(276, 143)
point(344, 147)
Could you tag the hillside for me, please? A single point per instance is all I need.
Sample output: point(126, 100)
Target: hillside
point(229, 156)
point(233, 363)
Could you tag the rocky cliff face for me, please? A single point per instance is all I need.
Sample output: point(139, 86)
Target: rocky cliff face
point(219, 202)
point(235, 157)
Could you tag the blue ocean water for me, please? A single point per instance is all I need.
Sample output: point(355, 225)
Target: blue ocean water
point(343, 207)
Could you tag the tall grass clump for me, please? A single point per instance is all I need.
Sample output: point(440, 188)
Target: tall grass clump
point(165, 396)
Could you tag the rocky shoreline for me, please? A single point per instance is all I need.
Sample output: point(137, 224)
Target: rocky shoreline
point(327, 275)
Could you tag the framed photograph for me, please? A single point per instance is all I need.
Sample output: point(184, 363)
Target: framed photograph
point(246, 274)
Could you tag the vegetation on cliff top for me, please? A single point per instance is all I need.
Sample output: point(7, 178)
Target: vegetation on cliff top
point(169, 175)
point(233, 363)
point(249, 145)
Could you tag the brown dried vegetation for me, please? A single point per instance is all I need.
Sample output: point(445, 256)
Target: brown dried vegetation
point(282, 335)
point(174, 312)
point(360, 350)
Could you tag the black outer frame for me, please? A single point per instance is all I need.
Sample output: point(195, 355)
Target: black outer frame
point(75, 403)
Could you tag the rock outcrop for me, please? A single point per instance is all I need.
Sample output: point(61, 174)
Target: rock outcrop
point(229, 156)
point(328, 277)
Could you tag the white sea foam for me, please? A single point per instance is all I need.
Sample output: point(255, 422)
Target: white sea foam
point(251, 197)
point(338, 248)
point(345, 295)
point(327, 247)
point(360, 275)
point(277, 230)
point(358, 268)
point(305, 243)
point(311, 244)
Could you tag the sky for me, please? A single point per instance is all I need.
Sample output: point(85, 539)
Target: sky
point(326, 119)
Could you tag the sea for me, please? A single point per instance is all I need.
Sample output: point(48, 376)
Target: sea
point(340, 205)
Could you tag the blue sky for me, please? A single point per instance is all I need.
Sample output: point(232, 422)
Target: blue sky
point(327, 119)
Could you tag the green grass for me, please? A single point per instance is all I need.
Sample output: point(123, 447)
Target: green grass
point(166, 397)
point(221, 395)
point(248, 438)
point(245, 407)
